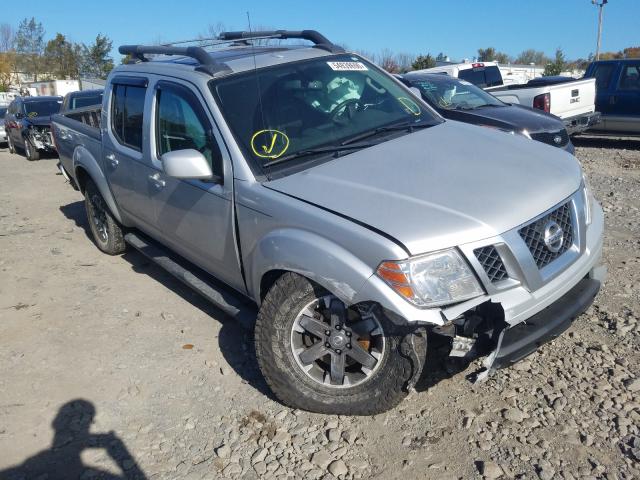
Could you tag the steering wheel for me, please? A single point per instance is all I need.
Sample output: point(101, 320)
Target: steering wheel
point(344, 112)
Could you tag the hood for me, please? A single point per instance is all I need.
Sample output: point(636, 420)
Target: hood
point(444, 186)
point(44, 121)
point(516, 117)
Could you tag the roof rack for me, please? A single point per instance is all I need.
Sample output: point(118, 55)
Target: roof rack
point(314, 36)
point(207, 63)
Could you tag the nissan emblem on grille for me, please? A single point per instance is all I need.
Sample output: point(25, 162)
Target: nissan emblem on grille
point(557, 139)
point(553, 236)
point(550, 236)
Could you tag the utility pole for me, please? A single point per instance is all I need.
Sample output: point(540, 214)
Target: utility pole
point(600, 7)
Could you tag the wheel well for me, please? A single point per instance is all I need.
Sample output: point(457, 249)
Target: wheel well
point(267, 281)
point(81, 178)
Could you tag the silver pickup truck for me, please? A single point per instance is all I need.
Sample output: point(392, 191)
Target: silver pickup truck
point(308, 188)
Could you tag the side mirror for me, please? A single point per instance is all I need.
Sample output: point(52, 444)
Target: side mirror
point(18, 115)
point(185, 164)
point(416, 91)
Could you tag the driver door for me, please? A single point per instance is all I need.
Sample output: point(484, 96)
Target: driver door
point(196, 217)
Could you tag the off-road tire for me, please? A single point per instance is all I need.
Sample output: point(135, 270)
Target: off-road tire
point(30, 151)
point(12, 148)
point(94, 203)
point(382, 391)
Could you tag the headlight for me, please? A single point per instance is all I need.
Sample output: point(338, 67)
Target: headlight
point(431, 280)
point(586, 193)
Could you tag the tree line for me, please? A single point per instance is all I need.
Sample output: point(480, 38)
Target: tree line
point(26, 51)
point(404, 62)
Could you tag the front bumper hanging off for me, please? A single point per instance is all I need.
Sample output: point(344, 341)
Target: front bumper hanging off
point(518, 341)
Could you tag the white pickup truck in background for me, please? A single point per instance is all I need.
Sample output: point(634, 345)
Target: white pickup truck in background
point(571, 100)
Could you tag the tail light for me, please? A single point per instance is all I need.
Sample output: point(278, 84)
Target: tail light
point(542, 102)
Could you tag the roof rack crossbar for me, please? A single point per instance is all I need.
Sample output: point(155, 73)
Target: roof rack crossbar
point(207, 63)
point(314, 36)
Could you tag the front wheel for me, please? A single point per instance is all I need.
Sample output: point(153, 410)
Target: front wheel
point(320, 356)
point(30, 151)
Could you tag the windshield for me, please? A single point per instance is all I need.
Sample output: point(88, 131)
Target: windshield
point(297, 107)
point(41, 108)
point(453, 94)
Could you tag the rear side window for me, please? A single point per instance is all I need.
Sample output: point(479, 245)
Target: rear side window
point(630, 79)
point(127, 114)
point(602, 73)
point(482, 77)
point(80, 102)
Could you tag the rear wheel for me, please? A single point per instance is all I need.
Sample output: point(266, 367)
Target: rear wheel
point(30, 151)
point(107, 233)
point(318, 355)
point(12, 148)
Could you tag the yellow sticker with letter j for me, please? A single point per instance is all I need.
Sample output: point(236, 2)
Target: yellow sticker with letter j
point(269, 143)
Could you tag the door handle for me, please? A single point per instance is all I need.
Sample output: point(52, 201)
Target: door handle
point(111, 158)
point(157, 181)
point(612, 100)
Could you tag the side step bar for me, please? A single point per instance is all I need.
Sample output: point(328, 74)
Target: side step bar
point(222, 297)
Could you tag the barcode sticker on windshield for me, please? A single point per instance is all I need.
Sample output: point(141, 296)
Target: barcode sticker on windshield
point(348, 66)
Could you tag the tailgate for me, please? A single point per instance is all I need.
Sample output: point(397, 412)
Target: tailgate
point(574, 98)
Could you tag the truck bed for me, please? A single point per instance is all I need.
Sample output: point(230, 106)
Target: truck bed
point(79, 127)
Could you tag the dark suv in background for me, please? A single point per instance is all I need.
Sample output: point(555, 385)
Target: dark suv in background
point(28, 125)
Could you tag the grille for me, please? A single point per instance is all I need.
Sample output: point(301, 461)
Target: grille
point(547, 137)
point(491, 263)
point(533, 235)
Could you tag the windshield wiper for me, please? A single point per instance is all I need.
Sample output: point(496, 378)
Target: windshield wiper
point(408, 126)
point(336, 149)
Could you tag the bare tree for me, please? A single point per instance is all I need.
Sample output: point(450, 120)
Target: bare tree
point(404, 61)
point(7, 37)
point(387, 60)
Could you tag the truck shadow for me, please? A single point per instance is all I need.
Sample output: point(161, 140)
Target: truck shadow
point(235, 341)
point(624, 143)
point(71, 437)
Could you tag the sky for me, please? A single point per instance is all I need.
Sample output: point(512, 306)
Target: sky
point(455, 27)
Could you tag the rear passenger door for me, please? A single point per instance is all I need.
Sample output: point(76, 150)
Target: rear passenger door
point(196, 216)
point(127, 162)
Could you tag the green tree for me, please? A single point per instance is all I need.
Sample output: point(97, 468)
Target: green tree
point(29, 46)
point(532, 56)
point(486, 54)
point(423, 61)
point(96, 61)
point(557, 66)
point(502, 57)
point(62, 57)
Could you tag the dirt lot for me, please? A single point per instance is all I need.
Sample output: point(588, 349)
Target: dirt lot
point(109, 365)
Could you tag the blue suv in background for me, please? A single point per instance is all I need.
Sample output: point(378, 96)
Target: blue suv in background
point(617, 95)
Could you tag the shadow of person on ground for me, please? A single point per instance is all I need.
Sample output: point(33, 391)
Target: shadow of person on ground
point(62, 460)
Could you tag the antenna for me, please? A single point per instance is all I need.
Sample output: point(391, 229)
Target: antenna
point(255, 71)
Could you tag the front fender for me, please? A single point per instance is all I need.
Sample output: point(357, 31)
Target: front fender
point(85, 160)
point(308, 254)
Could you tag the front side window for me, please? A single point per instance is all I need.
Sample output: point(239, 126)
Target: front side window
point(127, 114)
point(630, 79)
point(283, 112)
point(452, 94)
point(182, 124)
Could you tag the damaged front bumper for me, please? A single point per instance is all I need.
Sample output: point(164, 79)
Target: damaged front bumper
point(518, 314)
point(41, 138)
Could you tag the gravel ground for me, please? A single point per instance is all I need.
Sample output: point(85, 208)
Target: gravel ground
point(111, 369)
